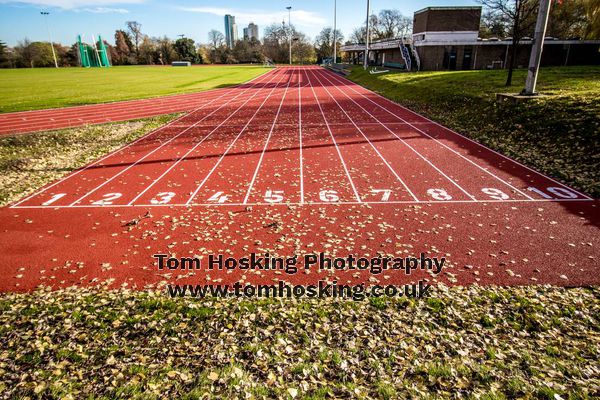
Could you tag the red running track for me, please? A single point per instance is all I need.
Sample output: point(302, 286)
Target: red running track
point(297, 161)
point(68, 117)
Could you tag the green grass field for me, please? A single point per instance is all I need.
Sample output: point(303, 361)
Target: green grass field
point(31, 89)
point(556, 134)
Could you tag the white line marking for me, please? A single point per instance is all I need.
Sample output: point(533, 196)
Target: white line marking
point(159, 129)
point(409, 146)
point(473, 141)
point(438, 141)
point(158, 148)
point(300, 135)
point(173, 165)
point(334, 142)
point(232, 143)
point(262, 154)
point(369, 141)
point(483, 202)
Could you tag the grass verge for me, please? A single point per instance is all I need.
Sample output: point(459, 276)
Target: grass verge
point(556, 134)
point(475, 342)
point(28, 162)
point(36, 88)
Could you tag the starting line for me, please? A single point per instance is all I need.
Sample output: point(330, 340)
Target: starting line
point(362, 148)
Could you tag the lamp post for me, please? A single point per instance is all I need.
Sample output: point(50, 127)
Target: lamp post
point(334, 31)
point(536, 48)
point(366, 60)
point(45, 14)
point(289, 8)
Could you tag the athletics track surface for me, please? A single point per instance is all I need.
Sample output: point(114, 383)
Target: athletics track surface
point(300, 160)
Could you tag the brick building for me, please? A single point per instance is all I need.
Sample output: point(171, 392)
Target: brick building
point(446, 38)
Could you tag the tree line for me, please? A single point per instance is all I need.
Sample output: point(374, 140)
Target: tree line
point(133, 47)
point(501, 18)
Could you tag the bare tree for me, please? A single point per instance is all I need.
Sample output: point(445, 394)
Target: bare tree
point(520, 14)
point(135, 29)
point(216, 39)
point(324, 42)
point(391, 24)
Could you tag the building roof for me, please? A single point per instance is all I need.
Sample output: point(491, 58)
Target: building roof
point(448, 8)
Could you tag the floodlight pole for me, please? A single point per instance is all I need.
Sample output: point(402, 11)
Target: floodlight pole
point(289, 8)
point(45, 14)
point(536, 48)
point(366, 58)
point(334, 33)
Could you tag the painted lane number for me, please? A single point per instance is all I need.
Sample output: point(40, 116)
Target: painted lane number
point(108, 199)
point(386, 193)
point(218, 198)
point(274, 196)
point(559, 192)
point(163, 198)
point(439, 194)
point(54, 198)
point(329, 196)
point(495, 194)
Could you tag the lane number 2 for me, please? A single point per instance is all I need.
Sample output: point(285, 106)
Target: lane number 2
point(108, 199)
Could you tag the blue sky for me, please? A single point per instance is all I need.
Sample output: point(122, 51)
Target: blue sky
point(20, 19)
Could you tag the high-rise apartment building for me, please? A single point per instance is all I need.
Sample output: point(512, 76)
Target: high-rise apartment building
point(251, 31)
point(231, 34)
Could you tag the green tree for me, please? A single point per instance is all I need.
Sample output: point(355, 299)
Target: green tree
point(186, 50)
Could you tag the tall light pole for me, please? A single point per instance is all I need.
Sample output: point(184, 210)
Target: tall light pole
point(45, 14)
point(289, 8)
point(334, 33)
point(536, 48)
point(366, 58)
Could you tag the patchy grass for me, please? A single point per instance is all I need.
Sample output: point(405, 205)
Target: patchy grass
point(36, 88)
point(556, 134)
point(28, 162)
point(92, 343)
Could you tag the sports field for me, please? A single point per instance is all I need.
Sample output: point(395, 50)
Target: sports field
point(37, 88)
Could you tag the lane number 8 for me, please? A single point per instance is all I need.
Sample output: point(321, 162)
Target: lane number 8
point(439, 194)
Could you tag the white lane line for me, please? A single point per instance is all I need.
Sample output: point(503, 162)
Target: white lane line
point(262, 154)
point(300, 135)
point(173, 165)
point(438, 202)
point(158, 148)
point(232, 143)
point(472, 141)
point(438, 141)
point(372, 145)
point(146, 136)
point(333, 139)
point(406, 144)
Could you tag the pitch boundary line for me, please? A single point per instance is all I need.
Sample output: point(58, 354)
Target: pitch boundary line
point(84, 168)
point(334, 141)
point(234, 140)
